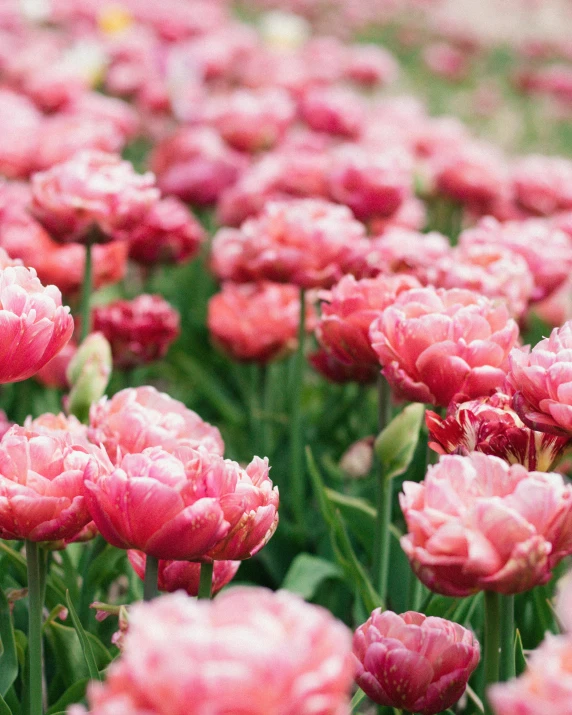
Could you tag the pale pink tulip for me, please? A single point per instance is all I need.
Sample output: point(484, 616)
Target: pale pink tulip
point(543, 184)
point(250, 651)
point(477, 523)
point(413, 662)
point(435, 344)
point(140, 417)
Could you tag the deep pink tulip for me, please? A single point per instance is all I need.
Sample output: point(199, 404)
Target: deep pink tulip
point(140, 417)
point(41, 484)
point(335, 110)
point(478, 524)
point(308, 242)
point(413, 662)
point(91, 188)
point(545, 688)
point(491, 426)
point(54, 373)
point(541, 379)
point(34, 324)
point(139, 330)
point(348, 310)
point(257, 321)
point(335, 371)
point(191, 505)
point(250, 651)
point(184, 575)
point(434, 344)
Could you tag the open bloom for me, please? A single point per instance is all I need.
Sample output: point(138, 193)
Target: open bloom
point(543, 183)
point(545, 688)
point(249, 651)
point(41, 484)
point(34, 324)
point(257, 321)
point(413, 662)
point(541, 379)
point(434, 344)
point(184, 575)
point(191, 505)
point(307, 242)
point(91, 189)
point(139, 330)
point(477, 523)
point(141, 417)
point(490, 425)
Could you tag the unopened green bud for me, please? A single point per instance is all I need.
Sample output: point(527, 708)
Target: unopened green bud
point(88, 374)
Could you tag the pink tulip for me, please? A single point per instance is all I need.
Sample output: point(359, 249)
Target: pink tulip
point(543, 184)
point(54, 373)
point(41, 484)
point(91, 188)
point(35, 325)
point(545, 688)
point(477, 523)
point(20, 124)
point(141, 417)
point(491, 426)
point(307, 242)
point(348, 310)
point(335, 110)
point(541, 379)
point(435, 344)
point(190, 505)
point(370, 65)
point(184, 575)
point(338, 372)
point(139, 330)
point(250, 651)
point(413, 662)
point(257, 321)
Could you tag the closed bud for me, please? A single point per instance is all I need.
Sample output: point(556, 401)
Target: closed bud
point(88, 374)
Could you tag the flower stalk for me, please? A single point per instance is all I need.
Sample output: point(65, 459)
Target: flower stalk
point(35, 590)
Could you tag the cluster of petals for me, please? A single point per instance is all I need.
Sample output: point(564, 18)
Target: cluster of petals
point(477, 523)
point(184, 575)
point(41, 483)
point(191, 505)
point(137, 418)
point(92, 189)
point(308, 242)
point(491, 426)
point(334, 110)
point(542, 184)
point(434, 344)
point(21, 122)
point(414, 662)
point(249, 651)
point(542, 381)
point(257, 321)
point(35, 325)
point(139, 330)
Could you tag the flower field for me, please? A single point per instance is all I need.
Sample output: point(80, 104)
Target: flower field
point(285, 357)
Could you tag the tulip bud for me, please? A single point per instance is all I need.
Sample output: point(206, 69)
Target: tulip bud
point(357, 460)
point(88, 373)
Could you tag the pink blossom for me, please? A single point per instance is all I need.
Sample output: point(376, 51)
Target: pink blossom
point(20, 124)
point(434, 344)
point(184, 575)
point(412, 215)
point(250, 651)
point(400, 250)
point(477, 523)
point(137, 418)
point(257, 321)
point(188, 506)
point(334, 110)
point(100, 107)
point(307, 242)
point(445, 60)
point(543, 184)
point(413, 662)
point(370, 65)
point(53, 374)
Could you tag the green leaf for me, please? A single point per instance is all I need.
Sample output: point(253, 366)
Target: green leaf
point(519, 658)
point(68, 653)
point(85, 644)
point(356, 700)
point(395, 446)
point(307, 572)
point(4, 709)
point(73, 694)
point(9, 656)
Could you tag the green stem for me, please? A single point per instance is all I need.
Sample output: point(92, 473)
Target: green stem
point(296, 432)
point(85, 312)
point(206, 580)
point(34, 629)
point(492, 642)
point(507, 665)
point(150, 584)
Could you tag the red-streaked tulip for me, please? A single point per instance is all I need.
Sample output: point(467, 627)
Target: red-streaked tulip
point(191, 506)
point(249, 651)
point(478, 524)
point(184, 575)
point(140, 417)
point(413, 662)
point(434, 344)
